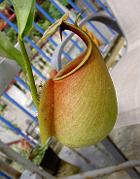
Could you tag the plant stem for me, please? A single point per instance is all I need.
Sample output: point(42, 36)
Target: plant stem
point(28, 68)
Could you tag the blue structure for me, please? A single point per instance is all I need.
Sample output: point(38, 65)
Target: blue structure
point(4, 175)
point(17, 130)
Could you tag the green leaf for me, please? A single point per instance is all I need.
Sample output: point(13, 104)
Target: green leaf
point(25, 15)
point(9, 51)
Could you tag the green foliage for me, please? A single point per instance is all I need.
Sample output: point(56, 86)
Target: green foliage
point(38, 153)
point(35, 35)
point(9, 51)
point(44, 24)
point(63, 2)
point(2, 107)
point(11, 34)
point(25, 15)
point(2, 5)
point(52, 10)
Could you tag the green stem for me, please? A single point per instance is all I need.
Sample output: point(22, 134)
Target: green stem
point(32, 85)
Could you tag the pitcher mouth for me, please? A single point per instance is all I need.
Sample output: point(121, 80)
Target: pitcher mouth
point(78, 62)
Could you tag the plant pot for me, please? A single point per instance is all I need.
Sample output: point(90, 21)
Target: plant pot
point(56, 166)
point(50, 161)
